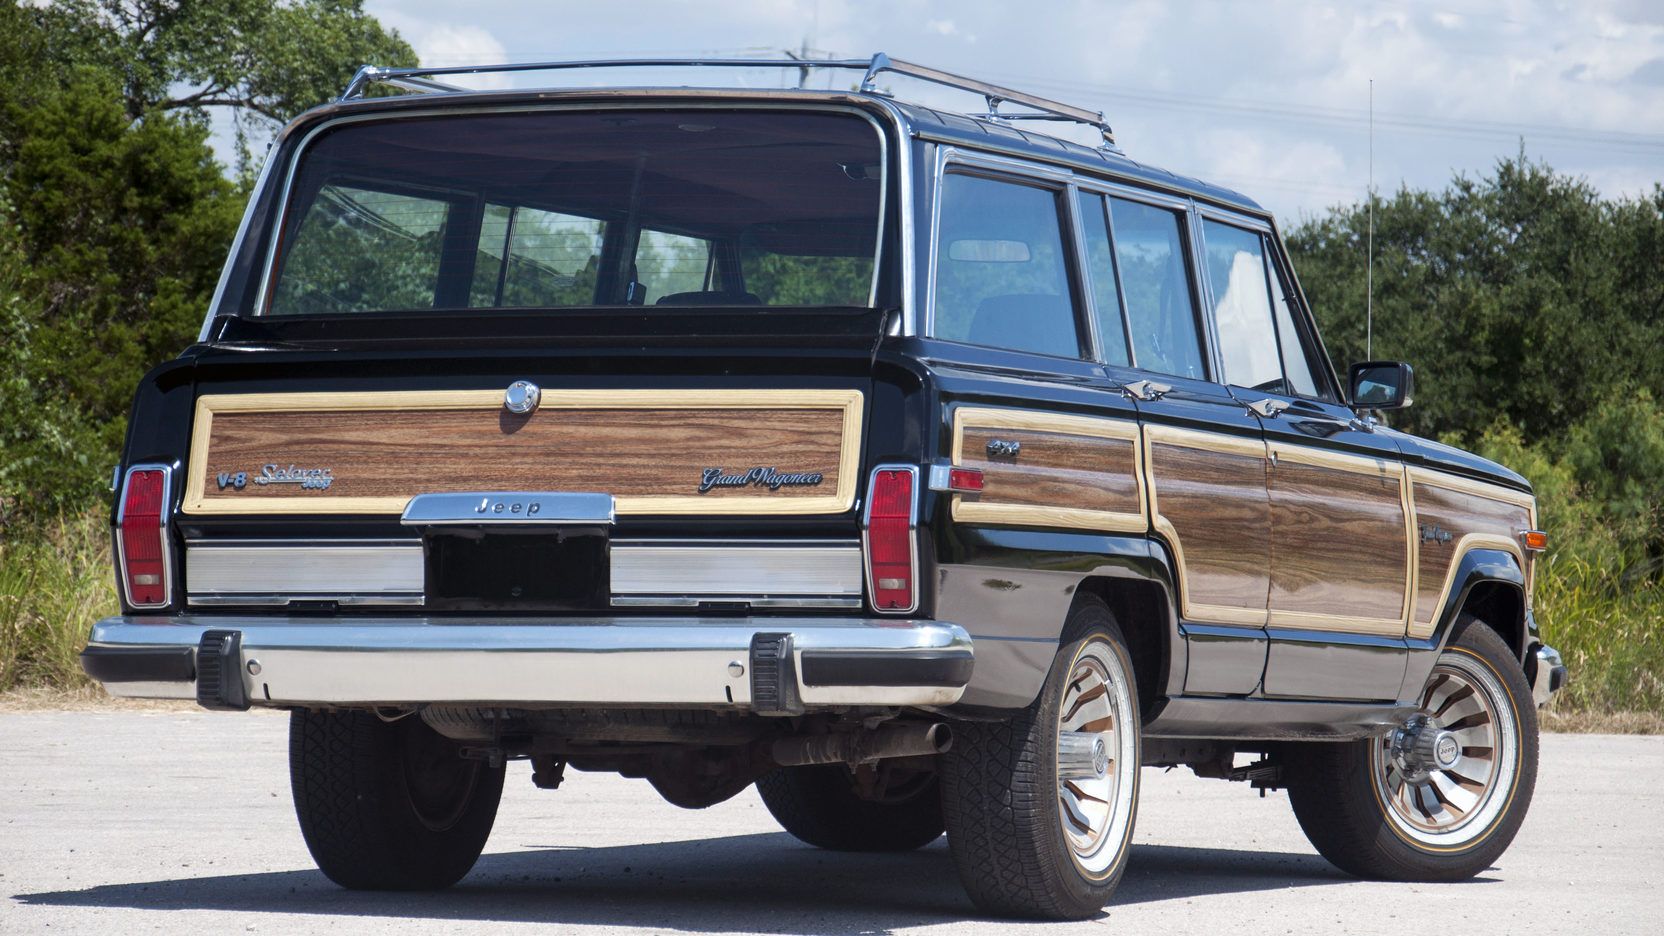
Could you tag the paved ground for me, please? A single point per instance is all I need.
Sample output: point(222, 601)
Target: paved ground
point(131, 822)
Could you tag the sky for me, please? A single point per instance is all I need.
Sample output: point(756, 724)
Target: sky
point(1268, 97)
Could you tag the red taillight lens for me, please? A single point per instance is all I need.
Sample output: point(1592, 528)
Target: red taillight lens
point(144, 567)
point(890, 539)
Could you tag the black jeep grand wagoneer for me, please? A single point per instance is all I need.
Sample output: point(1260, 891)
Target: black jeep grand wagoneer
point(926, 472)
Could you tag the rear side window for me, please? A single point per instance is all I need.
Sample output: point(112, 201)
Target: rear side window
point(361, 249)
point(1100, 272)
point(1161, 313)
point(1242, 307)
point(552, 258)
point(1002, 278)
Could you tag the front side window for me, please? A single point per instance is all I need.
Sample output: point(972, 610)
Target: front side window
point(554, 209)
point(1299, 359)
point(1161, 313)
point(1242, 307)
point(1002, 277)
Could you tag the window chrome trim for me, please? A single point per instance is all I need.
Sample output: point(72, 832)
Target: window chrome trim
point(164, 529)
point(237, 244)
point(912, 538)
point(262, 303)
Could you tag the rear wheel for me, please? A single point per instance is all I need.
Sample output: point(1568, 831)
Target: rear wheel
point(1442, 800)
point(388, 806)
point(1039, 809)
point(828, 807)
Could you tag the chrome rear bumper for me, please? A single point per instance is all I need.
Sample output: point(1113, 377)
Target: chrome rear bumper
point(775, 664)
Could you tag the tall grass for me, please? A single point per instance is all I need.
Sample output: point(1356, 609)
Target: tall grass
point(1610, 627)
point(53, 585)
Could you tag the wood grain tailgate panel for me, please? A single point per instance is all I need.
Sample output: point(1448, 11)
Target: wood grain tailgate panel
point(649, 450)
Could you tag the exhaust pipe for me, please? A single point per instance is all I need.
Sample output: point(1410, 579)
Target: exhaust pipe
point(860, 747)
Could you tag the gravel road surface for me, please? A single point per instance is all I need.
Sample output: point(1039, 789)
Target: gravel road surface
point(175, 822)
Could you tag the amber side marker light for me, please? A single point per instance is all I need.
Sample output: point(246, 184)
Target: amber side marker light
point(1534, 540)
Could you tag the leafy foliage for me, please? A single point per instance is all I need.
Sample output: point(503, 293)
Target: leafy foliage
point(1522, 294)
point(115, 216)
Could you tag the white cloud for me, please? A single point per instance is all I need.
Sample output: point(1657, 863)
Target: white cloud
point(445, 44)
point(1268, 98)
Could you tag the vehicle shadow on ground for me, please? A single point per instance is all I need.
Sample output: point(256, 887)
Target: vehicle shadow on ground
point(746, 883)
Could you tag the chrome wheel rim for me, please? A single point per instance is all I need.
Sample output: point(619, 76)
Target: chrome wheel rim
point(1451, 807)
point(1096, 758)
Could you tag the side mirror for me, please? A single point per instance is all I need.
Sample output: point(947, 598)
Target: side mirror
point(1382, 385)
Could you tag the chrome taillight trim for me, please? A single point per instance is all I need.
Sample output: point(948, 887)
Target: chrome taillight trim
point(912, 539)
point(735, 570)
point(163, 530)
point(280, 573)
point(777, 573)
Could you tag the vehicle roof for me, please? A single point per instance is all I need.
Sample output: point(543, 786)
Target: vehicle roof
point(916, 120)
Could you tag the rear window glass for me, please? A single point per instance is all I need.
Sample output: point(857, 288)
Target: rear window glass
point(538, 209)
point(1002, 278)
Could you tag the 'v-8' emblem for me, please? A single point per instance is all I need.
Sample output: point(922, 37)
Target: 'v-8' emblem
point(228, 479)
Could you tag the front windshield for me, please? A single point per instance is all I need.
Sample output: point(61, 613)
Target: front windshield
point(550, 209)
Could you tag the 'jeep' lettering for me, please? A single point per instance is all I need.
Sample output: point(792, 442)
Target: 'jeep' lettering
point(489, 506)
point(757, 477)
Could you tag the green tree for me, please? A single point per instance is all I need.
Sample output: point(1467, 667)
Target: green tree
point(1521, 294)
point(115, 215)
point(263, 61)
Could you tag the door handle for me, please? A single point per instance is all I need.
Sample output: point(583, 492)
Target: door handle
point(1267, 409)
point(1147, 390)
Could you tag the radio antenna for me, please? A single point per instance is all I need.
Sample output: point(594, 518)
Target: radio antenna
point(1369, 263)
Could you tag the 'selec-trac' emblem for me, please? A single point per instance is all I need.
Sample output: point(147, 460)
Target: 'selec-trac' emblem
point(307, 479)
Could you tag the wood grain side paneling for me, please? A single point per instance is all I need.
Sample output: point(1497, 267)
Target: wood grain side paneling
point(1208, 498)
point(1071, 471)
point(649, 449)
point(1340, 545)
point(1454, 515)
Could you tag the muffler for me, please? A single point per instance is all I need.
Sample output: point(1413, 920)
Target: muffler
point(861, 747)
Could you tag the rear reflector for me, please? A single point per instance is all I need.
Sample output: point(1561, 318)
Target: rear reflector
point(965, 480)
point(142, 537)
point(891, 559)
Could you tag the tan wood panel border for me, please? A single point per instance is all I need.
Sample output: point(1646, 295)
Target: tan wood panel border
point(1207, 442)
point(967, 510)
point(848, 401)
point(1370, 466)
point(1468, 541)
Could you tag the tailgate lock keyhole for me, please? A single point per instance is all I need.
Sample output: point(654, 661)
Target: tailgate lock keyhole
point(522, 397)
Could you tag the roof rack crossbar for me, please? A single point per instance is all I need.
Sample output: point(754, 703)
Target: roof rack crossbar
point(421, 80)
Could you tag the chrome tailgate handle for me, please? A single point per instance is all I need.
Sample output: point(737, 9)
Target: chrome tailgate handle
point(518, 508)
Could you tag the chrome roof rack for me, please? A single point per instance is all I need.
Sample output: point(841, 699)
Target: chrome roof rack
point(421, 80)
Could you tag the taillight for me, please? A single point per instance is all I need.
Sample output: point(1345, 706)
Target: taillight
point(892, 561)
point(142, 536)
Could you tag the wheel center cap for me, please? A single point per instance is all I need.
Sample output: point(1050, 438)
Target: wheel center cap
point(1100, 757)
point(1447, 751)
